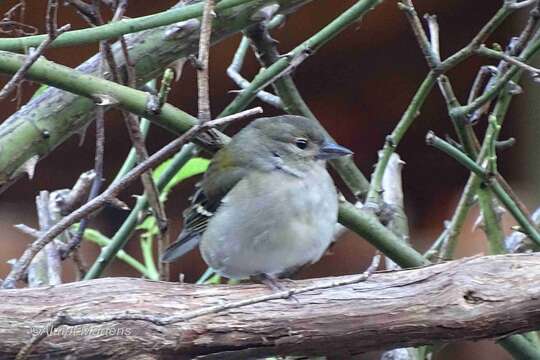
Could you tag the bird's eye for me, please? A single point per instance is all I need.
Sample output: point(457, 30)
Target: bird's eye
point(301, 143)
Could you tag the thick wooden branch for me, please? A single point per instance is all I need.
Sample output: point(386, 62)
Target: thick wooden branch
point(468, 299)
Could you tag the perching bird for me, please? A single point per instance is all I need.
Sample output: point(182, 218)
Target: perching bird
point(267, 205)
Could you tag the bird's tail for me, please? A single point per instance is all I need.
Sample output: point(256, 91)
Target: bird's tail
point(182, 245)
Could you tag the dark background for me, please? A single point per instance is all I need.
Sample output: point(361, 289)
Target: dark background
point(358, 85)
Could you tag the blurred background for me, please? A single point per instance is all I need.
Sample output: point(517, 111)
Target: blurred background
point(358, 85)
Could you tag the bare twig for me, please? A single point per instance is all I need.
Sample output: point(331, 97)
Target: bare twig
point(514, 4)
point(416, 25)
point(25, 229)
point(45, 268)
point(54, 262)
point(120, 10)
point(483, 50)
point(526, 34)
point(393, 199)
point(518, 242)
point(75, 197)
point(233, 71)
point(89, 12)
point(30, 59)
point(202, 70)
point(9, 26)
point(433, 26)
point(484, 74)
point(112, 191)
point(52, 18)
point(97, 182)
point(150, 188)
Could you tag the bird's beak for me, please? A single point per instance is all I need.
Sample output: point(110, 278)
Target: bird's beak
point(331, 150)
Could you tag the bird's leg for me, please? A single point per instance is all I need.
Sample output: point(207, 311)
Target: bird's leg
point(272, 283)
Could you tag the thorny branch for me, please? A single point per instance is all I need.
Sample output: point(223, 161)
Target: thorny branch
point(408, 117)
point(202, 62)
point(466, 135)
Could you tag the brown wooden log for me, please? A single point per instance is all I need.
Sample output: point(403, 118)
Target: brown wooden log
point(468, 299)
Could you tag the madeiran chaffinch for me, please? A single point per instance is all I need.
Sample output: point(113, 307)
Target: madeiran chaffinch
point(266, 205)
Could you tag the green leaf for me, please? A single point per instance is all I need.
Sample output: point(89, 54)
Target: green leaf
point(149, 225)
point(98, 238)
point(193, 167)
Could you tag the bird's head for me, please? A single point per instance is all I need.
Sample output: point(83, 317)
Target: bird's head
point(294, 141)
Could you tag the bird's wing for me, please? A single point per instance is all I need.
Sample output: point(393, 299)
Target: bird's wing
point(222, 175)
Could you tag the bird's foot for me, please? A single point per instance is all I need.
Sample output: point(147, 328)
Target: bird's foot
point(273, 284)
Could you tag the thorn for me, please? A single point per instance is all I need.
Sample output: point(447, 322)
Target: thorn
point(478, 223)
point(181, 29)
point(514, 89)
point(177, 67)
point(82, 133)
point(25, 229)
point(11, 262)
point(29, 166)
point(117, 203)
point(104, 100)
point(152, 104)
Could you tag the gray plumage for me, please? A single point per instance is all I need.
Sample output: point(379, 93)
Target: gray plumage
point(266, 205)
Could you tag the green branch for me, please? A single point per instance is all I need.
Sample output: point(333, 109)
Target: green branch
point(519, 347)
point(300, 53)
point(98, 90)
point(103, 241)
point(118, 28)
point(367, 225)
point(497, 189)
point(393, 140)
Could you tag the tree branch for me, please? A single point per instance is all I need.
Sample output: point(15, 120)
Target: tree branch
point(468, 299)
point(115, 29)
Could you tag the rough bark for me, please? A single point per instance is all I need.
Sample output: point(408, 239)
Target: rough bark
point(469, 299)
point(53, 116)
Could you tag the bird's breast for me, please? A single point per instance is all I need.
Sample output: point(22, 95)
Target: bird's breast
point(270, 222)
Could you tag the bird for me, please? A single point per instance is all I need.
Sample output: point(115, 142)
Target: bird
point(266, 205)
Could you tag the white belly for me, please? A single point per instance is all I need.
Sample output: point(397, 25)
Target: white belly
point(265, 229)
